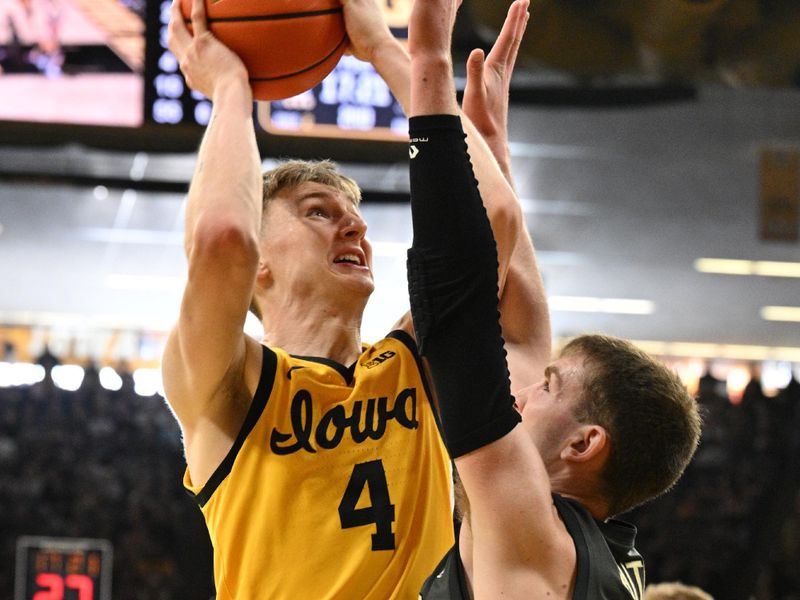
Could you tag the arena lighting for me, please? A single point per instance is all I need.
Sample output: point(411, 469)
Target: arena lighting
point(762, 268)
point(68, 377)
point(737, 379)
point(110, 379)
point(775, 376)
point(720, 351)
point(100, 192)
point(780, 313)
point(19, 373)
point(139, 166)
point(528, 150)
point(625, 306)
point(147, 382)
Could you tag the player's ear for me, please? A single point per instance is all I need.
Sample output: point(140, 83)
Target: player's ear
point(263, 273)
point(587, 442)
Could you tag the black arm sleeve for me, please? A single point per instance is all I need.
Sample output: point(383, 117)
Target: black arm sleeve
point(452, 279)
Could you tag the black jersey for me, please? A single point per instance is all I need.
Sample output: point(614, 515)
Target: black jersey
point(608, 566)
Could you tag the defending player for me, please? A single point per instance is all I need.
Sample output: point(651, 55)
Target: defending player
point(606, 429)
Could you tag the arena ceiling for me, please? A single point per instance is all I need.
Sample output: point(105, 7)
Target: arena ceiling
point(735, 42)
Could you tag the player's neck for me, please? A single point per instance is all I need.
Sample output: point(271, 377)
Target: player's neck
point(324, 331)
point(585, 489)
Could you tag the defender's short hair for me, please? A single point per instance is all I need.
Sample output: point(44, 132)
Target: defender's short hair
point(675, 591)
point(653, 422)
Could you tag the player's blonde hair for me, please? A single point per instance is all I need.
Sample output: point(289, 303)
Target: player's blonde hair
point(292, 173)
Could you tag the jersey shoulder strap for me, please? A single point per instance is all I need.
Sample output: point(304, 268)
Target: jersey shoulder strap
point(257, 405)
point(608, 565)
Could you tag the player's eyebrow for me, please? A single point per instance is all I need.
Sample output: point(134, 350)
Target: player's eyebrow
point(316, 194)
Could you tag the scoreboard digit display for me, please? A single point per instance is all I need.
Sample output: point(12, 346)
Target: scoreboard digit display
point(353, 101)
point(63, 569)
point(168, 100)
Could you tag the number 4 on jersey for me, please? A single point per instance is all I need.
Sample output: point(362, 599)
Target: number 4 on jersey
point(381, 512)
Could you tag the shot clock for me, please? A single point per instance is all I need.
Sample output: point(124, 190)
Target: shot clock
point(63, 569)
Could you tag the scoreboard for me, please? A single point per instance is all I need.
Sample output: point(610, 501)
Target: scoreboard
point(352, 101)
point(63, 569)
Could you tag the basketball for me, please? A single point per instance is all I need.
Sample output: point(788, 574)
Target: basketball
point(288, 46)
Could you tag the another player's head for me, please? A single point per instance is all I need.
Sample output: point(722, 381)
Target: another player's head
point(675, 591)
point(610, 414)
point(312, 233)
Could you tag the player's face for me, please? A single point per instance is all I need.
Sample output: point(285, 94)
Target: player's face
point(314, 237)
point(548, 407)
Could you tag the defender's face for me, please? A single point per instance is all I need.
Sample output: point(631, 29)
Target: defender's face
point(548, 407)
point(314, 236)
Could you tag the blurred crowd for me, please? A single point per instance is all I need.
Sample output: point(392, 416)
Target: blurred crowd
point(95, 463)
point(102, 464)
point(732, 524)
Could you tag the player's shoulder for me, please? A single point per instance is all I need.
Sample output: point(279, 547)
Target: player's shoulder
point(395, 343)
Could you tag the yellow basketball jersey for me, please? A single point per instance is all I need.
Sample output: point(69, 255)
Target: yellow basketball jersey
point(338, 485)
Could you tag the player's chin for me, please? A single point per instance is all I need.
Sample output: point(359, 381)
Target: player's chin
point(354, 272)
point(367, 286)
point(360, 283)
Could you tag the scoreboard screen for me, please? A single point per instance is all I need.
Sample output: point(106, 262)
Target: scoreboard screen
point(353, 101)
point(63, 569)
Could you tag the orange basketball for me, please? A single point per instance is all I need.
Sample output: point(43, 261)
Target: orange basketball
point(288, 46)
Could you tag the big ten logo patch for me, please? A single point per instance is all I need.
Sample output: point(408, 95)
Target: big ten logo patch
point(381, 358)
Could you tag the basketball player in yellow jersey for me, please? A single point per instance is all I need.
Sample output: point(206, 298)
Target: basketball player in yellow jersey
point(354, 459)
point(315, 459)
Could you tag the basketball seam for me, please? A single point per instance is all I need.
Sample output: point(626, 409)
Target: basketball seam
point(278, 17)
point(308, 68)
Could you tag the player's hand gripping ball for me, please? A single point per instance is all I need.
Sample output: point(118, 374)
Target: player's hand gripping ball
point(287, 46)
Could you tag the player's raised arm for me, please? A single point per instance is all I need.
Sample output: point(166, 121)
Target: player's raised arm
point(371, 40)
point(488, 85)
point(524, 312)
point(223, 214)
point(453, 284)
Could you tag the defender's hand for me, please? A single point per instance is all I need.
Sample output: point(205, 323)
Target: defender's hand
point(489, 80)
